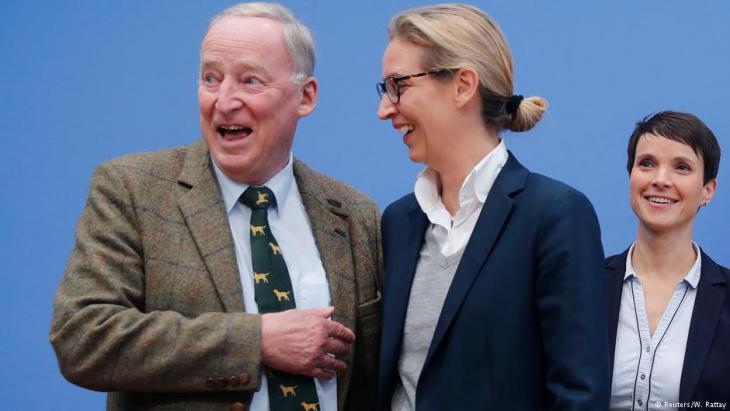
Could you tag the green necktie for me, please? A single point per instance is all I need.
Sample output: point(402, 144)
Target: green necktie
point(274, 293)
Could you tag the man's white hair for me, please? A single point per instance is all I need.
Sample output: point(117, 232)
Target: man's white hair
point(297, 36)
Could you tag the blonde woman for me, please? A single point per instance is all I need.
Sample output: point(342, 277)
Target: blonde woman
point(494, 291)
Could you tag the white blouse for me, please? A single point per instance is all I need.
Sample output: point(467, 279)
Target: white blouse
point(452, 233)
point(647, 368)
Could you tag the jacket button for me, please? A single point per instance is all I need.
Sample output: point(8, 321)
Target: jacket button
point(235, 380)
point(222, 382)
point(211, 383)
point(238, 406)
point(244, 378)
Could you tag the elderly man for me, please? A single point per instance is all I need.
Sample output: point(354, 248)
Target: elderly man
point(227, 274)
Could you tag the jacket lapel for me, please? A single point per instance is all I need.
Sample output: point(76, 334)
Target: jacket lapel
point(205, 214)
point(615, 270)
point(400, 270)
point(328, 215)
point(492, 218)
point(708, 305)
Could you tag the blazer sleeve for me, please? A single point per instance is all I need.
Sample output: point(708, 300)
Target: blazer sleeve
point(102, 334)
point(571, 302)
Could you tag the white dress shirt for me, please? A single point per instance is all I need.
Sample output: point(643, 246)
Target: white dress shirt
point(647, 368)
point(452, 233)
point(292, 229)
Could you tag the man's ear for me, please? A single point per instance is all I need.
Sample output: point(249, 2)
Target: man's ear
point(308, 97)
point(466, 86)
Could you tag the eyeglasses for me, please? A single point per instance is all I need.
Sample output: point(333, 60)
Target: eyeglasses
point(391, 85)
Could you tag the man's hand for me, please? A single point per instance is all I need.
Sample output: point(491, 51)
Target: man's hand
point(304, 341)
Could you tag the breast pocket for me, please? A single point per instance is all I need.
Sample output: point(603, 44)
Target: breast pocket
point(369, 308)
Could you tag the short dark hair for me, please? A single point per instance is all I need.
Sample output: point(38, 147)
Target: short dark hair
point(681, 127)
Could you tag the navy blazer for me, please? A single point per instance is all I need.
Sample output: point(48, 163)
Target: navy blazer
point(706, 368)
point(523, 326)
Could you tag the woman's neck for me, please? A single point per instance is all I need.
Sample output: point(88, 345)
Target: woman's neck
point(663, 256)
point(454, 168)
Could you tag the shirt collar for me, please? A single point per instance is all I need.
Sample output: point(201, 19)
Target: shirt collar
point(480, 180)
point(280, 184)
point(475, 187)
point(692, 277)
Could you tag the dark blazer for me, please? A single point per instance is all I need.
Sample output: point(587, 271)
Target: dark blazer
point(706, 368)
point(521, 327)
point(151, 308)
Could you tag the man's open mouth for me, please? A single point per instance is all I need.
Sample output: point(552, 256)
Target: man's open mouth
point(234, 131)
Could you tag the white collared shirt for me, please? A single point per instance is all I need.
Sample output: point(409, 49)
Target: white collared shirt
point(452, 234)
point(292, 229)
point(647, 368)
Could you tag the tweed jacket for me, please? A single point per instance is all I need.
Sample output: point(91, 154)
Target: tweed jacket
point(151, 309)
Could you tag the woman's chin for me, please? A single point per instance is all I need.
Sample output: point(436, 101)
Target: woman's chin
point(415, 156)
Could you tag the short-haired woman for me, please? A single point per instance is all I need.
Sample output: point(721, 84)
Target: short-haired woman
point(669, 303)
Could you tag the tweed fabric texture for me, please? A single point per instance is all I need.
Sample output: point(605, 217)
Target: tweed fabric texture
point(150, 307)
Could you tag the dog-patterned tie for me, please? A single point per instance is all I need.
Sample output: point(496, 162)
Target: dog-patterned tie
point(274, 293)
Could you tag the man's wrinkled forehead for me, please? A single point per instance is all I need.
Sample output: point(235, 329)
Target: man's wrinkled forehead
point(228, 32)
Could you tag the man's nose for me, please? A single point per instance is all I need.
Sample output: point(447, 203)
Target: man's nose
point(230, 97)
point(386, 108)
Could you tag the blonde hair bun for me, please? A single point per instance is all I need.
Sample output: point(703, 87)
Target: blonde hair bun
point(528, 113)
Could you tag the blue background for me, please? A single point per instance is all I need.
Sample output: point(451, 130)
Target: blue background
point(85, 81)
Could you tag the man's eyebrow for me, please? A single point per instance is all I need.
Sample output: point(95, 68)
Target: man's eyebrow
point(209, 62)
point(245, 65)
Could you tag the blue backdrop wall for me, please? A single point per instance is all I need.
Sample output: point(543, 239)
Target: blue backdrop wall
point(85, 81)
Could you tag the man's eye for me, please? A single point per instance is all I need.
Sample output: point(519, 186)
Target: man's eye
point(209, 79)
point(252, 81)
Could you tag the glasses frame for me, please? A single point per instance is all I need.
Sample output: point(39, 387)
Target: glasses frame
point(383, 86)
